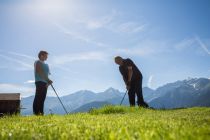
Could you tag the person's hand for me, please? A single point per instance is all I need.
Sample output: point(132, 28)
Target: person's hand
point(128, 85)
point(50, 82)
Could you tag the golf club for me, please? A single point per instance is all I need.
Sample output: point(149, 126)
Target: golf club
point(123, 97)
point(59, 99)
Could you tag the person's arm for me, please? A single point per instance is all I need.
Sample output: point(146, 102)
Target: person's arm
point(130, 73)
point(123, 75)
point(129, 64)
point(40, 72)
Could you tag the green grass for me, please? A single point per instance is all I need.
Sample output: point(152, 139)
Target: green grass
point(111, 123)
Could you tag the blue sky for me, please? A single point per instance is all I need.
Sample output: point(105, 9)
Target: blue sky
point(168, 41)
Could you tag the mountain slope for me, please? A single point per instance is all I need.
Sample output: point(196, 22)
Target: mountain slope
point(186, 93)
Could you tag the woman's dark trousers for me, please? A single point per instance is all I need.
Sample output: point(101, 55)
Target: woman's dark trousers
point(40, 95)
point(136, 88)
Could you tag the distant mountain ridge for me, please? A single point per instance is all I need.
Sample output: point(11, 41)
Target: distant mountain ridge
point(184, 93)
point(71, 101)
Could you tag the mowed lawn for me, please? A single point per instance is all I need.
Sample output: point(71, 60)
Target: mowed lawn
point(114, 123)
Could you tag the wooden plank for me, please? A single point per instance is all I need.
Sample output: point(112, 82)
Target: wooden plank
point(9, 96)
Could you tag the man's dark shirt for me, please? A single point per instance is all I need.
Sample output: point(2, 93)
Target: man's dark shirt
point(124, 70)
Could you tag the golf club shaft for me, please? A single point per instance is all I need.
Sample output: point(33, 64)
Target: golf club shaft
point(123, 97)
point(59, 99)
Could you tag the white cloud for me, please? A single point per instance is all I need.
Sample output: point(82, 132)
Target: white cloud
point(79, 36)
point(101, 22)
point(145, 48)
point(22, 55)
point(15, 88)
point(63, 68)
point(29, 82)
point(192, 42)
point(24, 90)
point(21, 64)
point(93, 23)
point(112, 22)
point(130, 27)
point(185, 44)
point(67, 58)
point(202, 45)
point(136, 51)
point(42, 10)
point(149, 84)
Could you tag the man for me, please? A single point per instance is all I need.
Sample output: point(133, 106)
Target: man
point(133, 80)
point(41, 71)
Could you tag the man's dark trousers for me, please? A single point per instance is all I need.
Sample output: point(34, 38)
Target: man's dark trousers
point(40, 95)
point(136, 88)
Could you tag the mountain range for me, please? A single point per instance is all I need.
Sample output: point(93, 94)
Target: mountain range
point(180, 94)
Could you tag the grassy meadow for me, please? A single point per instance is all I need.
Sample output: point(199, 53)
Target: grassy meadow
point(111, 123)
